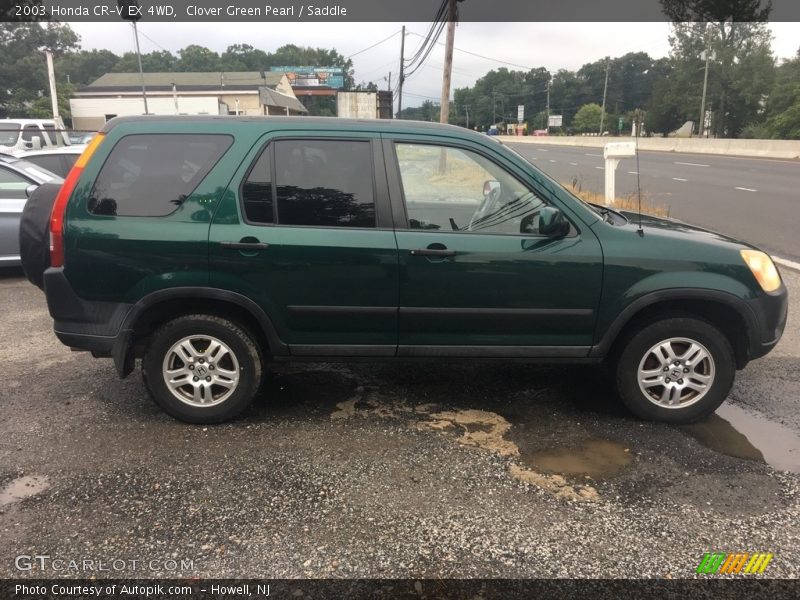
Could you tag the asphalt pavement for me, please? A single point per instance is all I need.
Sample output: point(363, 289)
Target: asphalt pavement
point(386, 470)
point(752, 199)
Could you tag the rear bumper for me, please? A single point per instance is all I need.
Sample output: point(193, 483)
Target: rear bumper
point(94, 326)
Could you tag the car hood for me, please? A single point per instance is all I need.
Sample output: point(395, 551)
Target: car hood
point(676, 228)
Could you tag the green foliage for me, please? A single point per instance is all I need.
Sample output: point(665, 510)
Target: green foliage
point(23, 69)
point(587, 119)
point(427, 111)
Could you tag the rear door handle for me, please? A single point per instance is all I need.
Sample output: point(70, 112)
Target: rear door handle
point(246, 246)
point(433, 252)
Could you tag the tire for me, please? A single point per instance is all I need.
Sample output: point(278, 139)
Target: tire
point(183, 346)
point(34, 232)
point(686, 367)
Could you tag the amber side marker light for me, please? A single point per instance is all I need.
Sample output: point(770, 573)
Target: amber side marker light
point(60, 205)
point(763, 269)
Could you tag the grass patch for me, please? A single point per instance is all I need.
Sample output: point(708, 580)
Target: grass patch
point(627, 203)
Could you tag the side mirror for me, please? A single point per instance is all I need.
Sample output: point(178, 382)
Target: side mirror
point(552, 222)
point(36, 142)
point(30, 189)
point(491, 188)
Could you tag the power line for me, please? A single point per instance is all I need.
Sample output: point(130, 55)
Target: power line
point(497, 60)
point(386, 39)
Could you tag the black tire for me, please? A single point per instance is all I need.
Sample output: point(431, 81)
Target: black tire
point(636, 350)
point(241, 345)
point(34, 232)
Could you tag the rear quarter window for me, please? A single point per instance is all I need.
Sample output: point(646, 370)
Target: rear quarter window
point(151, 175)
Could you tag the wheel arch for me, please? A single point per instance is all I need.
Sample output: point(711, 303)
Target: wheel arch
point(731, 315)
point(159, 307)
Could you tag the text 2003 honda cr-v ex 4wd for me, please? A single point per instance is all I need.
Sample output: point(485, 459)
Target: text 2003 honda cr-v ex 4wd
point(208, 246)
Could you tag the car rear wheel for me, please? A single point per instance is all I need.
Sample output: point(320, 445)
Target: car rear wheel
point(676, 370)
point(202, 368)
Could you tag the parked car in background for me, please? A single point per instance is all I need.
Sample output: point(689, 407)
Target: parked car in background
point(210, 246)
point(56, 160)
point(18, 179)
point(19, 135)
point(80, 137)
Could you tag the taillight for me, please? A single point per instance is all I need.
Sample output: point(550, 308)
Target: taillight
point(60, 205)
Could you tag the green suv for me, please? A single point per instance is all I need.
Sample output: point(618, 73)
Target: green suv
point(210, 246)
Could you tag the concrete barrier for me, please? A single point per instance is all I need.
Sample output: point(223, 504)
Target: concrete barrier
point(782, 149)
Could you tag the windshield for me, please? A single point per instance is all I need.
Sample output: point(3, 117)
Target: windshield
point(9, 134)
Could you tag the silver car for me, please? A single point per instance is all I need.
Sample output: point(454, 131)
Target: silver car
point(18, 179)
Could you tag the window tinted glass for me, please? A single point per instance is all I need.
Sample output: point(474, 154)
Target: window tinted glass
point(51, 162)
point(452, 189)
point(29, 131)
point(50, 132)
point(152, 175)
point(257, 190)
point(324, 183)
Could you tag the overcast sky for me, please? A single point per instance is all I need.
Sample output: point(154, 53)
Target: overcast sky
point(525, 45)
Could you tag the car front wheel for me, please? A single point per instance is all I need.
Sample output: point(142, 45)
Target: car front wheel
point(676, 370)
point(202, 368)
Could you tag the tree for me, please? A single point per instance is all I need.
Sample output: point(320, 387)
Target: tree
point(83, 67)
point(23, 69)
point(783, 103)
point(197, 59)
point(587, 119)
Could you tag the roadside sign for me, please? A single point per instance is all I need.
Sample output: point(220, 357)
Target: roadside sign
point(520, 113)
point(555, 121)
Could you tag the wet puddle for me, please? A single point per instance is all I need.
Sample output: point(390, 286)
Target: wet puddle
point(742, 434)
point(596, 458)
point(21, 488)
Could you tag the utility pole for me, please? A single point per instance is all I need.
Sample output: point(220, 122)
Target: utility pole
point(547, 123)
point(402, 74)
point(466, 108)
point(605, 91)
point(444, 113)
point(494, 112)
point(51, 76)
point(702, 124)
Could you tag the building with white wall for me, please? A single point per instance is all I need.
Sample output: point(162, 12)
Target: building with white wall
point(214, 93)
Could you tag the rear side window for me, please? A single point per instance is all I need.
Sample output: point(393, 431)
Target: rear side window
point(151, 175)
point(324, 183)
point(51, 162)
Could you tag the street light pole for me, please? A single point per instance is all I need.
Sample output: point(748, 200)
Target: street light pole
point(129, 10)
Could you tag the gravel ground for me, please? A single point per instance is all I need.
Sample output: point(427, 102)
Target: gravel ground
point(425, 470)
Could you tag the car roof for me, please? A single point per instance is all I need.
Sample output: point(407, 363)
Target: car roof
point(379, 125)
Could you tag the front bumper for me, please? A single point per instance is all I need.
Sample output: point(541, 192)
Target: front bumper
point(770, 313)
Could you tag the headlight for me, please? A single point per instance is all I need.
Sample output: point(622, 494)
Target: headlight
point(763, 269)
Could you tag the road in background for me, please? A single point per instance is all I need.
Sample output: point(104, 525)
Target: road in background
point(752, 199)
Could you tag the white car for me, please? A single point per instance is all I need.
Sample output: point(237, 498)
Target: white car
point(55, 160)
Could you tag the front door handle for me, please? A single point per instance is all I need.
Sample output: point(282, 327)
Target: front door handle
point(244, 246)
point(433, 252)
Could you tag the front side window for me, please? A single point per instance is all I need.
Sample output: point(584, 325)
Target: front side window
point(454, 189)
point(324, 183)
point(151, 175)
